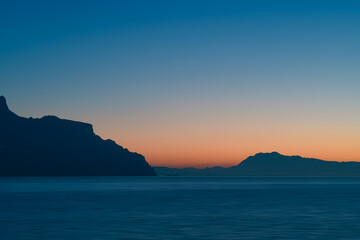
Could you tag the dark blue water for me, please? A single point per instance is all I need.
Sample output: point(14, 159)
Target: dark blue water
point(179, 208)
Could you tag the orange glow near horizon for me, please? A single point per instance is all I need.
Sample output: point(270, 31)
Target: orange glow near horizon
point(226, 147)
point(217, 158)
point(214, 133)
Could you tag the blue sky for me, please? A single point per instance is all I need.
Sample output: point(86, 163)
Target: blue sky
point(147, 72)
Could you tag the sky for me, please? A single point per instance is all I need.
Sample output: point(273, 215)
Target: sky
point(191, 83)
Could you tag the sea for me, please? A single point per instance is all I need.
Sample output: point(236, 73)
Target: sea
point(101, 208)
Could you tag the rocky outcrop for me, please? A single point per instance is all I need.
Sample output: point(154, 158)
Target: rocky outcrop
point(51, 146)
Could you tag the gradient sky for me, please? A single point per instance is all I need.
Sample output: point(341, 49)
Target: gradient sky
point(191, 83)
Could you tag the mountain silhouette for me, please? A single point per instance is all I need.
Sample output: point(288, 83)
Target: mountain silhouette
point(51, 146)
point(272, 164)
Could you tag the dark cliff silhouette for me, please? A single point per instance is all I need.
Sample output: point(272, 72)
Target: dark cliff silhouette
point(51, 146)
point(272, 164)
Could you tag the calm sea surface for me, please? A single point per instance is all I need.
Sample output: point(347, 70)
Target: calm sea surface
point(179, 208)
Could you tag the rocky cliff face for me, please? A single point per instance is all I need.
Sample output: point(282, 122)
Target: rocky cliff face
point(51, 146)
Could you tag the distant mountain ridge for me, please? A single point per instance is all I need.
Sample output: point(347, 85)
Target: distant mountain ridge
point(51, 146)
point(271, 164)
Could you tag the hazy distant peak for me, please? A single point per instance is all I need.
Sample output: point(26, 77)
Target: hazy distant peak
point(265, 155)
point(268, 154)
point(273, 164)
point(267, 158)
